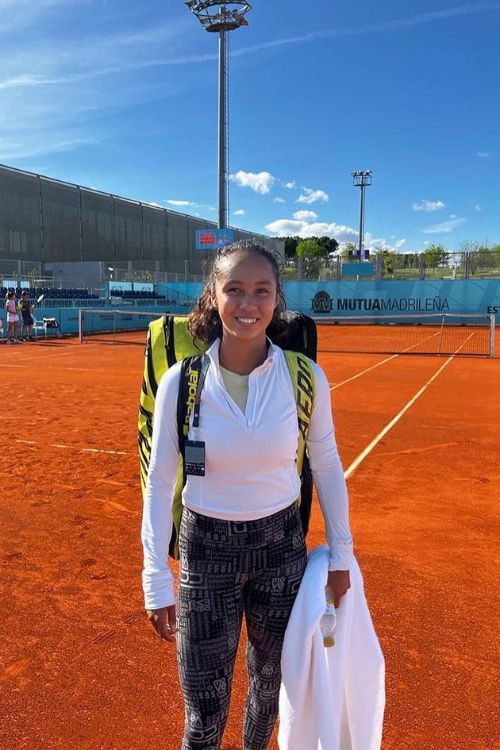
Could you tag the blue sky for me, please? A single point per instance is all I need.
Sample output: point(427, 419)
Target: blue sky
point(120, 95)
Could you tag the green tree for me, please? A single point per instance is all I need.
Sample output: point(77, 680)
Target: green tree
point(389, 259)
point(482, 257)
point(329, 245)
point(436, 256)
point(410, 260)
point(309, 249)
point(291, 246)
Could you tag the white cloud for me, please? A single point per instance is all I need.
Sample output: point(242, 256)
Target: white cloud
point(311, 196)
point(278, 200)
point(483, 154)
point(239, 212)
point(341, 232)
point(174, 202)
point(295, 227)
point(445, 227)
point(290, 185)
point(477, 207)
point(452, 216)
point(260, 182)
point(428, 206)
point(305, 215)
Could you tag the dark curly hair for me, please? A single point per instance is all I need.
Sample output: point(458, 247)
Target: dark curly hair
point(205, 324)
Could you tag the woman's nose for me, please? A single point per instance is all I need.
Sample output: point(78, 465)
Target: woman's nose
point(247, 301)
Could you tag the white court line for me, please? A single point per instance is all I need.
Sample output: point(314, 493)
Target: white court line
point(77, 450)
point(388, 359)
point(395, 420)
point(358, 375)
point(22, 365)
point(50, 355)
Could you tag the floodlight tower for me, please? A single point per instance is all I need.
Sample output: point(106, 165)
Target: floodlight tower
point(362, 178)
point(221, 17)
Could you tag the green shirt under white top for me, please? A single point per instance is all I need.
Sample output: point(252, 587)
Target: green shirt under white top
point(236, 386)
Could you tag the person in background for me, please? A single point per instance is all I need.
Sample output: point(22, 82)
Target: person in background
point(12, 318)
point(25, 307)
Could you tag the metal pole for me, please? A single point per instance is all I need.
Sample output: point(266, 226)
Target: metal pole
point(222, 131)
point(80, 222)
point(42, 229)
point(361, 222)
point(492, 335)
point(113, 220)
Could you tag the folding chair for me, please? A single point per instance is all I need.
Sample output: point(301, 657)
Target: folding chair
point(39, 325)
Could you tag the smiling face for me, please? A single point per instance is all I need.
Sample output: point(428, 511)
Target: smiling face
point(246, 295)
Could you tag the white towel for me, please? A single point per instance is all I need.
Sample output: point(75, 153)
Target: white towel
point(331, 698)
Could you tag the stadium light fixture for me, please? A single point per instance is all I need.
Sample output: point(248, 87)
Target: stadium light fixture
point(216, 16)
point(362, 178)
point(221, 17)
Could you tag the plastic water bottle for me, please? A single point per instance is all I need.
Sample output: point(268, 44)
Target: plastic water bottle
point(327, 624)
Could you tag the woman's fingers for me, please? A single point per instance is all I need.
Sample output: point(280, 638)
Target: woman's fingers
point(164, 622)
point(338, 584)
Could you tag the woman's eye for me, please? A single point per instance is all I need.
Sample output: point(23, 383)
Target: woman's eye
point(235, 289)
point(262, 291)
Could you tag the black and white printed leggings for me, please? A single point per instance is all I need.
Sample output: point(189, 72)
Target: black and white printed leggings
point(228, 568)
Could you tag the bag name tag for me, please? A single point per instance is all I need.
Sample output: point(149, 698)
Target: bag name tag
point(194, 458)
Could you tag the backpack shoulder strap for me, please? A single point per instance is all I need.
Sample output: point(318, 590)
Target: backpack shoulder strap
point(302, 375)
point(188, 383)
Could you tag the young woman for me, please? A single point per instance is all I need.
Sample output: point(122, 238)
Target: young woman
point(12, 318)
point(241, 545)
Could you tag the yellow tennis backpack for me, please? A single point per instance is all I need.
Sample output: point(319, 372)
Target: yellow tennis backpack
point(168, 342)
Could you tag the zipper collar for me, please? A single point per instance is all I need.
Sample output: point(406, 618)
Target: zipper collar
point(272, 352)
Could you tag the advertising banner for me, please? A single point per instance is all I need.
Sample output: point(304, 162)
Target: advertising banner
point(213, 239)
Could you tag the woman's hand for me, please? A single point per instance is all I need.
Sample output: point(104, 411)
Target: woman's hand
point(164, 622)
point(339, 582)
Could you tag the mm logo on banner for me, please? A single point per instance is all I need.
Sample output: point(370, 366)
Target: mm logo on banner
point(322, 302)
point(213, 239)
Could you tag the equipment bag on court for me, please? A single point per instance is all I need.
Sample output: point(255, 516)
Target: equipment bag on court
point(168, 342)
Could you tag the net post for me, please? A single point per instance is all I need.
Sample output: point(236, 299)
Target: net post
point(492, 335)
point(80, 325)
point(441, 335)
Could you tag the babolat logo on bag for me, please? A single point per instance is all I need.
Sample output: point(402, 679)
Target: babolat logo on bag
point(322, 303)
point(193, 377)
point(305, 392)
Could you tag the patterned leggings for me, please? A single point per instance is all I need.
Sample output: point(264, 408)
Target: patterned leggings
point(228, 568)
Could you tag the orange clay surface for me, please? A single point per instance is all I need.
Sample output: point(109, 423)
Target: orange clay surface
point(80, 666)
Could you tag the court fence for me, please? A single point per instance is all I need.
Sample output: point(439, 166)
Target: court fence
point(484, 264)
point(397, 266)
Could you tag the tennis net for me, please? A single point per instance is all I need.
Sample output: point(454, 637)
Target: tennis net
point(443, 333)
point(115, 326)
point(439, 333)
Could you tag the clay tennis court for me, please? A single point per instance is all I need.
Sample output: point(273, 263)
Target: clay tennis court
point(80, 667)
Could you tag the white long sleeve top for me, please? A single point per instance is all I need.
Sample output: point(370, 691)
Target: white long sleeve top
point(250, 469)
